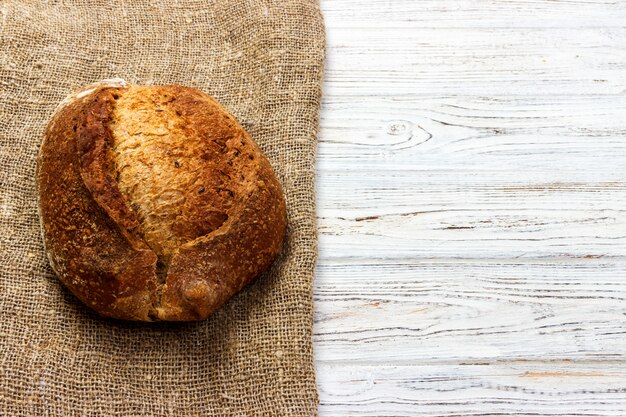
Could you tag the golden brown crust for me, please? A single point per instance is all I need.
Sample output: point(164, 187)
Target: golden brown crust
point(155, 203)
point(205, 271)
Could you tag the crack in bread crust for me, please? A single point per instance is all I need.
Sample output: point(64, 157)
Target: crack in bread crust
point(180, 174)
point(173, 176)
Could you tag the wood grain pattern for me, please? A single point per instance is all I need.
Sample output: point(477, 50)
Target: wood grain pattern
point(473, 13)
point(518, 389)
point(410, 311)
point(393, 62)
point(472, 209)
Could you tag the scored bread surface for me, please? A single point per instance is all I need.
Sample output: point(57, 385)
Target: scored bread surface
point(180, 175)
point(155, 203)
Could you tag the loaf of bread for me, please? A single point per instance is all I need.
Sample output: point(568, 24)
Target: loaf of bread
point(155, 203)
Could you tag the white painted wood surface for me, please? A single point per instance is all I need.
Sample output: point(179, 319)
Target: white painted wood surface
point(472, 209)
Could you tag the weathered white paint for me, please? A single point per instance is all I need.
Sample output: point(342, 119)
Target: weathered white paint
point(527, 389)
point(479, 62)
point(447, 14)
point(416, 311)
point(472, 209)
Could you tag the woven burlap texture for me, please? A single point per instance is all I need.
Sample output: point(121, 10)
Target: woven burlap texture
point(264, 60)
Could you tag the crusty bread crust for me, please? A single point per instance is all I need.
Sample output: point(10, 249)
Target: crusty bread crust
point(155, 203)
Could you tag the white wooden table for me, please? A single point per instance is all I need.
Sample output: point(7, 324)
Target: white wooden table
point(472, 209)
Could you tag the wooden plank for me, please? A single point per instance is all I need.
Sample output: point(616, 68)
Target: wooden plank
point(501, 132)
point(483, 223)
point(473, 13)
point(478, 235)
point(399, 312)
point(481, 62)
point(458, 390)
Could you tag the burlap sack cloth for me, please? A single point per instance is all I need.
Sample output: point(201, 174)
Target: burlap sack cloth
point(263, 59)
